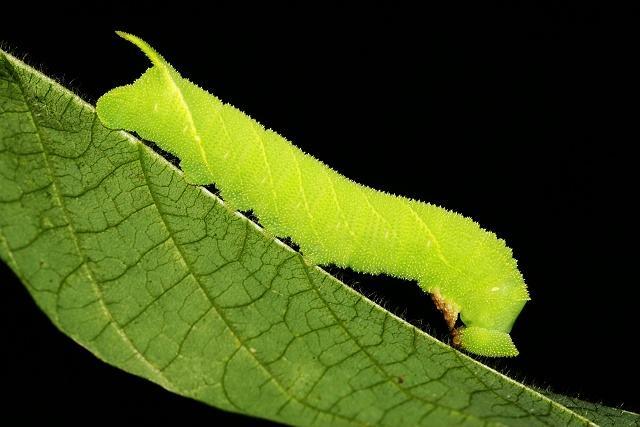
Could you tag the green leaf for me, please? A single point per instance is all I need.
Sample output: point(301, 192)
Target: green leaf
point(599, 414)
point(160, 279)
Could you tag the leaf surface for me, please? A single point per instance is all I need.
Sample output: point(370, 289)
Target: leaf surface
point(162, 280)
point(599, 414)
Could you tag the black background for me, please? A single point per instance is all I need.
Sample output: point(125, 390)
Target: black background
point(492, 111)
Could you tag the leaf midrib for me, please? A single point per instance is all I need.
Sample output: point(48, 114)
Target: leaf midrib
point(164, 381)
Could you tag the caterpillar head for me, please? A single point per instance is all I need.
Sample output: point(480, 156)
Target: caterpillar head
point(485, 287)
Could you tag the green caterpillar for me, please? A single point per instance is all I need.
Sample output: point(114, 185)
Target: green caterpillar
point(467, 270)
